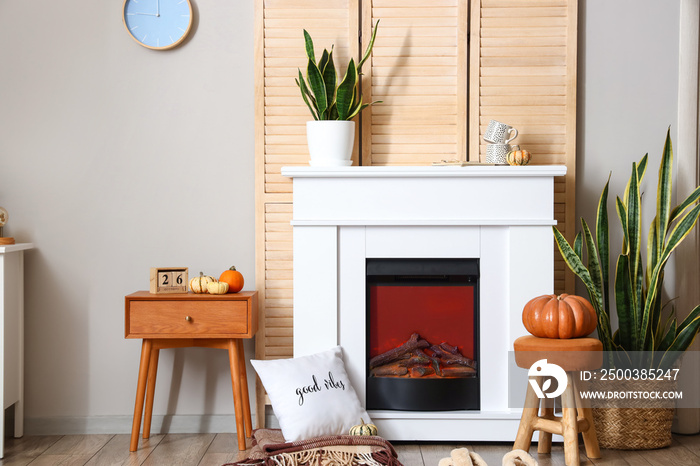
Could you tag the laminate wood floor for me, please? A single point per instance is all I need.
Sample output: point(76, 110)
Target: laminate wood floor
point(217, 449)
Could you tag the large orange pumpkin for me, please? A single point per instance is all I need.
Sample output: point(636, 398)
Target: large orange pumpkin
point(563, 316)
point(234, 278)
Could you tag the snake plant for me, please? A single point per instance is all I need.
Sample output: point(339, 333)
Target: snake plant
point(642, 332)
point(326, 99)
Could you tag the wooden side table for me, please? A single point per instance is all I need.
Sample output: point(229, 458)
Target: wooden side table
point(190, 320)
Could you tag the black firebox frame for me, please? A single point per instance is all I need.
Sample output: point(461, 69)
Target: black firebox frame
point(430, 394)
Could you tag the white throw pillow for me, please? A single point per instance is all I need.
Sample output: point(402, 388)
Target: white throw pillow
point(311, 395)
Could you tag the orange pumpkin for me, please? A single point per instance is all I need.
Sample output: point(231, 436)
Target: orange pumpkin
point(563, 316)
point(234, 278)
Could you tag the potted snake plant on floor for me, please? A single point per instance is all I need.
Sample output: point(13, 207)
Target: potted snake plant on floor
point(647, 339)
point(333, 104)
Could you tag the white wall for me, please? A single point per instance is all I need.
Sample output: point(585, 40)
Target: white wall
point(113, 159)
point(627, 98)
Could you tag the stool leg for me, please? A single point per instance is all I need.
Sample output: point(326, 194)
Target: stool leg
point(527, 421)
point(569, 423)
point(150, 392)
point(544, 444)
point(244, 390)
point(590, 438)
point(140, 393)
point(234, 360)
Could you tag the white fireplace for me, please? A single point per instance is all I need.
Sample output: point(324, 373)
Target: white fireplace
point(501, 216)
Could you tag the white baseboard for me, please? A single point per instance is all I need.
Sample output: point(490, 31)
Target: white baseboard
point(122, 424)
point(165, 424)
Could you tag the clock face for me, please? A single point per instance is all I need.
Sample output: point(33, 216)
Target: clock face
point(158, 24)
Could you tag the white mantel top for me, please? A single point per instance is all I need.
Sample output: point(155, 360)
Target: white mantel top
point(424, 171)
point(15, 247)
point(424, 195)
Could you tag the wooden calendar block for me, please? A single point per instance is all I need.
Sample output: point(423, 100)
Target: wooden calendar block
point(168, 280)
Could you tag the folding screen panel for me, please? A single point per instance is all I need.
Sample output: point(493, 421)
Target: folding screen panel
point(523, 72)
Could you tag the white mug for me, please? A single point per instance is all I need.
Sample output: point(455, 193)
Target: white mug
point(497, 153)
point(496, 132)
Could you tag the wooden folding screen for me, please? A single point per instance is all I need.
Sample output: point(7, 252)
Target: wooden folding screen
point(280, 140)
point(522, 70)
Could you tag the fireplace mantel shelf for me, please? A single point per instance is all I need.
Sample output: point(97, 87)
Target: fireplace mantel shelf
point(479, 171)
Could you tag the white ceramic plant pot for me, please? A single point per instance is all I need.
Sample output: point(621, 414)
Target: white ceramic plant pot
point(330, 142)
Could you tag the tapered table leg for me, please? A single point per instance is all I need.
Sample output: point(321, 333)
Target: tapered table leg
point(140, 392)
point(245, 399)
point(150, 392)
point(235, 362)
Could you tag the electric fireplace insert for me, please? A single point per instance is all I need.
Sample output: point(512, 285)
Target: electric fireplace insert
point(422, 334)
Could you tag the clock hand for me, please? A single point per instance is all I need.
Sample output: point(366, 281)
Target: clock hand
point(157, 7)
point(142, 14)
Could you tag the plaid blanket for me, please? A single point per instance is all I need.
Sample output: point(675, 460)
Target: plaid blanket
point(270, 449)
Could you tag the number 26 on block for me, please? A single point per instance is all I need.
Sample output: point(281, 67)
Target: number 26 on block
point(168, 280)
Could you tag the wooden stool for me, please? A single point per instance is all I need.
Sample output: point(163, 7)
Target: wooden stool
point(571, 355)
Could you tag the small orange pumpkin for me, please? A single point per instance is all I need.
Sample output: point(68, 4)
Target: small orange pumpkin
point(563, 316)
point(234, 278)
point(518, 157)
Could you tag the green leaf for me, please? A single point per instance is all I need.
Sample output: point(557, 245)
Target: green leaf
point(576, 265)
point(304, 93)
point(368, 51)
point(626, 307)
point(622, 214)
point(669, 337)
point(641, 171)
point(318, 87)
point(603, 239)
point(323, 61)
point(685, 335)
point(333, 112)
point(690, 200)
point(592, 253)
point(578, 245)
point(309, 43)
point(330, 79)
point(634, 234)
point(663, 193)
point(652, 251)
point(346, 92)
point(675, 237)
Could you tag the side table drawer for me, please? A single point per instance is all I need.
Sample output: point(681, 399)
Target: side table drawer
point(187, 318)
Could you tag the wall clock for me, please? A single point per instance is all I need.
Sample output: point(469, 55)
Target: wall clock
point(158, 24)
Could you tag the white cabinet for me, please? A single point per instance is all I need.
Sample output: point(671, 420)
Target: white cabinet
point(12, 334)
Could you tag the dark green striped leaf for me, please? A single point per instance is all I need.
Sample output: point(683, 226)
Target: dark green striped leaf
point(624, 299)
point(664, 192)
point(330, 78)
point(318, 88)
point(305, 94)
point(622, 214)
point(603, 239)
point(368, 51)
point(309, 44)
point(578, 245)
point(346, 92)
